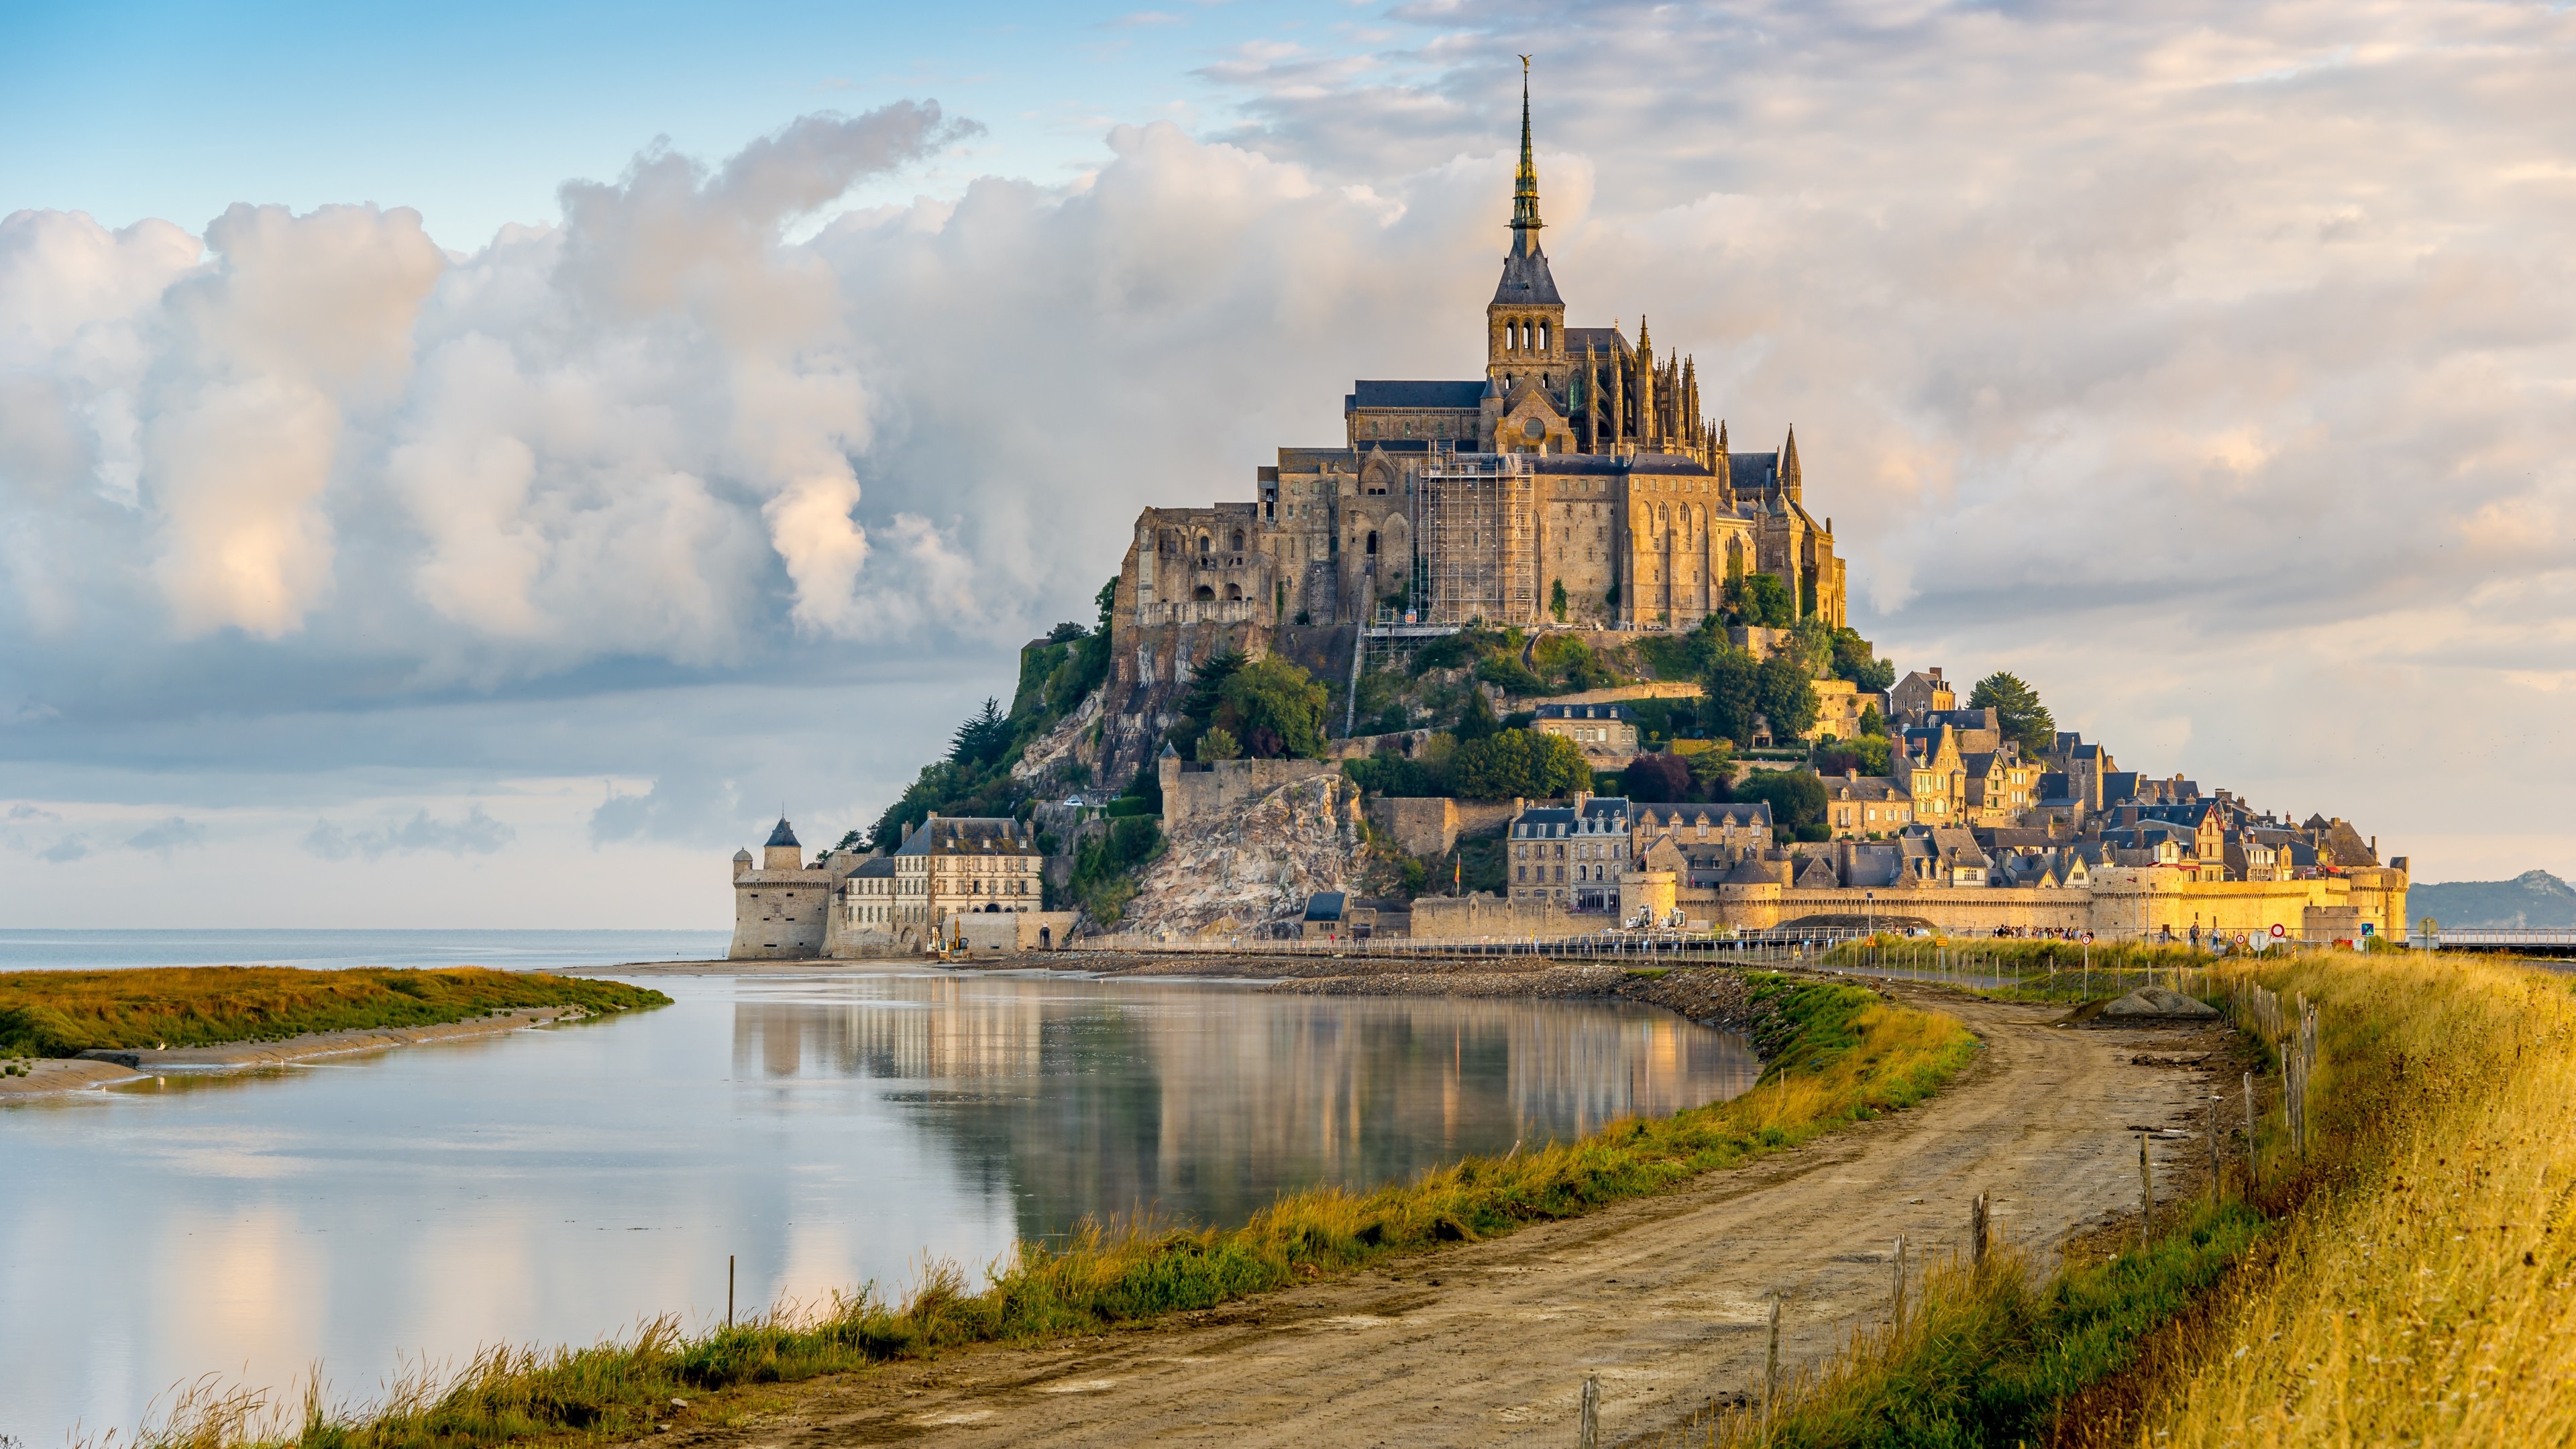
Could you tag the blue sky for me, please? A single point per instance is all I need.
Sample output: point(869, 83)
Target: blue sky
point(474, 113)
point(467, 467)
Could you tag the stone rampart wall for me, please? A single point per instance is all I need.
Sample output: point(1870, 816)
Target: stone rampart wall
point(1194, 793)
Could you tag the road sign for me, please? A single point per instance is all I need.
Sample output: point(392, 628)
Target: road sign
point(2370, 928)
point(2278, 931)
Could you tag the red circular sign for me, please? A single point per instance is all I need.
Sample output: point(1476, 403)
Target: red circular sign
point(2278, 932)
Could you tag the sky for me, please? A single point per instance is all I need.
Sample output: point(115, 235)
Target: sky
point(476, 466)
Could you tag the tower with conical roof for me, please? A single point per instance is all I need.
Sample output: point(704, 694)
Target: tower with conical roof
point(1525, 323)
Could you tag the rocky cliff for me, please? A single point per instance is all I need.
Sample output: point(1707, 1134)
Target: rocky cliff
point(1251, 865)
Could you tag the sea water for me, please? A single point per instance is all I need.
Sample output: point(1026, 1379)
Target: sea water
point(822, 1129)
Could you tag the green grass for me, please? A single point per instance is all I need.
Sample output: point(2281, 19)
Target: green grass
point(1988, 1357)
point(1848, 1056)
point(63, 1013)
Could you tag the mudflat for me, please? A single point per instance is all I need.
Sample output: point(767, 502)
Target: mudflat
point(54, 1075)
point(1663, 1298)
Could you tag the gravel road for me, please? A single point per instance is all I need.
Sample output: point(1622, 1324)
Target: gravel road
point(1663, 1298)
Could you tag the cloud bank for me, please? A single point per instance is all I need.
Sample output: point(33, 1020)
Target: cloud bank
point(2210, 366)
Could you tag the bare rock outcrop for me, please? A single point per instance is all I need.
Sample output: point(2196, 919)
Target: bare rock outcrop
point(1252, 865)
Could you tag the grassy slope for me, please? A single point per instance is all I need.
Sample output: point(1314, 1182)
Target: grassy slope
point(2422, 1288)
point(2407, 1283)
point(62, 1013)
point(1841, 1055)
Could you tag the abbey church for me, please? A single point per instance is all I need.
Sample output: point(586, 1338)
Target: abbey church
point(1578, 483)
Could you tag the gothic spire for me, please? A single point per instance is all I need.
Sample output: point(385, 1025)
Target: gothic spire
point(1789, 480)
point(1526, 280)
point(1525, 185)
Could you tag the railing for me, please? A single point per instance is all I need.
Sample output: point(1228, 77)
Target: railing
point(2526, 940)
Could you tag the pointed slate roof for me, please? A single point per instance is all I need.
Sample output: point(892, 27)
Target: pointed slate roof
point(783, 835)
point(1526, 279)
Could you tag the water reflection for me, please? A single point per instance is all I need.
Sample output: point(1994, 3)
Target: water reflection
point(1204, 1103)
point(824, 1131)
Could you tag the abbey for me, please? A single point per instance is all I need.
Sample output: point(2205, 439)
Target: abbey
point(1579, 482)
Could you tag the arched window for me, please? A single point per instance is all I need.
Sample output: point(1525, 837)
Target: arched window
point(1205, 543)
point(1238, 540)
point(1204, 594)
point(1372, 543)
point(1542, 337)
point(1234, 592)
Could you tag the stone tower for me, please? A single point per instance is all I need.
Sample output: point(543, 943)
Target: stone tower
point(782, 852)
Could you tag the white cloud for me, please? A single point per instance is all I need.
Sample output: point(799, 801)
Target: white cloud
point(477, 833)
point(2212, 368)
point(161, 837)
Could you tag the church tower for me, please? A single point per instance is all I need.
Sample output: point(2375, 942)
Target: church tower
point(1525, 323)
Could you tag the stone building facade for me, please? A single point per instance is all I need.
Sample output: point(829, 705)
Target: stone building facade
point(1578, 482)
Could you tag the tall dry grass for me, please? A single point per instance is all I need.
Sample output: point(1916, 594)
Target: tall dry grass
point(1839, 1054)
point(2422, 1288)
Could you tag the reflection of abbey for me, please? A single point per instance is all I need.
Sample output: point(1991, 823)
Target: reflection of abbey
point(1578, 480)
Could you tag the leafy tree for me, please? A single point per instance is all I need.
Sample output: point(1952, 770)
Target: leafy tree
point(1656, 779)
point(1518, 762)
point(1788, 696)
point(1730, 692)
point(1712, 773)
point(1065, 633)
point(1797, 799)
point(1853, 661)
point(1871, 723)
point(982, 738)
point(2017, 708)
point(1556, 600)
point(854, 840)
point(1763, 601)
point(1107, 602)
point(1275, 708)
point(1869, 755)
point(1217, 745)
point(1477, 720)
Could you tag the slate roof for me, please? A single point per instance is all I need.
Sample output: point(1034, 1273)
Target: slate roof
point(1383, 393)
point(1526, 279)
point(1753, 472)
point(783, 835)
point(1607, 342)
point(874, 868)
point(970, 831)
point(1612, 711)
point(1324, 906)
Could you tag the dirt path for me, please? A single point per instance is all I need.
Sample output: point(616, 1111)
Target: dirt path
point(1663, 1297)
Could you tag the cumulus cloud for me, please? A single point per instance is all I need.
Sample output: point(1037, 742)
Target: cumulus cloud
point(2210, 366)
point(165, 836)
point(65, 850)
point(477, 833)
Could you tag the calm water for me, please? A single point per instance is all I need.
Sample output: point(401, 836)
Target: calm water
point(558, 1185)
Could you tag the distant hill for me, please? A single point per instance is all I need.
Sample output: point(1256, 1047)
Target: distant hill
point(2533, 898)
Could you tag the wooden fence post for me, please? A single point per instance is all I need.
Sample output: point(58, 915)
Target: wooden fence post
point(1977, 1232)
point(1587, 1431)
point(2249, 1130)
point(1771, 1371)
point(1896, 1316)
point(2146, 1195)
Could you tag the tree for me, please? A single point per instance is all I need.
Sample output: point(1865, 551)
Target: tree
point(1275, 708)
point(1871, 722)
point(1869, 755)
point(1107, 600)
point(2018, 710)
point(1788, 697)
point(1797, 800)
point(1556, 600)
point(1065, 633)
point(1853, 661)
point(1730, 688)
point(1712, 773)
point(1763, 601)
point(982, 738)
point(1656, 779)
point(1217, 745)
point(1477, 720)
point(1518, 762)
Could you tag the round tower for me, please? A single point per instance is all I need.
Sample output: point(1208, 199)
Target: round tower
point(782, 852)
point(741, 863)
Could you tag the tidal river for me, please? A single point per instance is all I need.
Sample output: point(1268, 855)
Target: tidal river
point(373, 1214)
